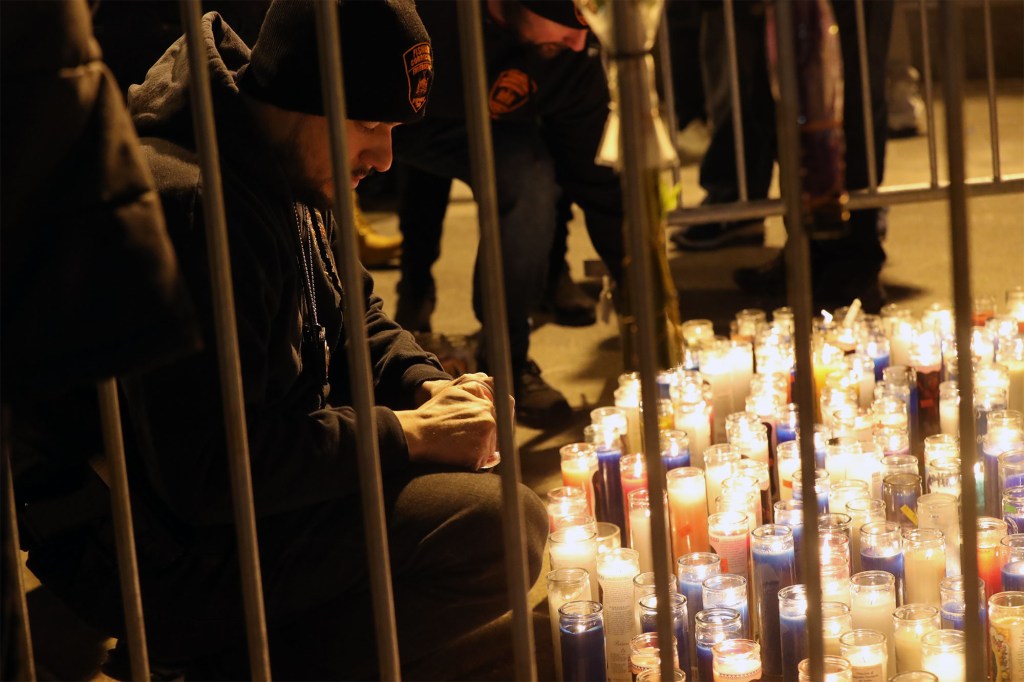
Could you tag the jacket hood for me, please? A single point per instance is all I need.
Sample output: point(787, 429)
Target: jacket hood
point(160, 106)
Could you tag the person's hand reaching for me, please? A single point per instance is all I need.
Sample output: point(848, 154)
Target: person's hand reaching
point(455, 426)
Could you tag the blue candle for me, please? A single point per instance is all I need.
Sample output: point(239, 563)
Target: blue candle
point(821, 437)
point(784, 433)
point(649, 623)
point(881, 362)
point(581, 629)
point(791, 513)
point(952, 615)
point(1013, 576)
point(892, 563)
point(1013, 508)
point(793, 628)
point(691, 571)
point(675, 449)
point(774, 565)
point(821, 488)
point(608, 486)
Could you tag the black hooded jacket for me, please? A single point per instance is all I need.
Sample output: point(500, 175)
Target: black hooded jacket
point(301, 453)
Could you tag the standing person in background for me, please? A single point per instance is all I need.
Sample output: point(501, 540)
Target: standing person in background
point(548, 103)
point(442, 518)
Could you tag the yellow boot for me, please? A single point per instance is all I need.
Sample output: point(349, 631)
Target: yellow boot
point(375, 249)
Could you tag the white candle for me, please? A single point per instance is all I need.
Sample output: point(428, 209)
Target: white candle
point(575, 547)
point(627, 398)
point(741, 361)
point(949, 408)
point(616, 570)
point(728, 534)
point(867, 653)
point(948, 667)
point(720, 462)
point(640, 528)
point(901, 342)
point(924, 557)
point(912, 622)
point(787, 458)
point(716, 368)
point(908, 650)
point(943, 655)
point(872, 602)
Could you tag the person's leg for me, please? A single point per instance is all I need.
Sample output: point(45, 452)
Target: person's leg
point(424, 202)
point(562, 296)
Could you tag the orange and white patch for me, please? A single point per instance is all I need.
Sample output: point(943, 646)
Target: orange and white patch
point(419, 69)
point(511, 90)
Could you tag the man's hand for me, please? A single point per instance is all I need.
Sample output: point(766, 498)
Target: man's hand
point(477, 383)
point(455, 425)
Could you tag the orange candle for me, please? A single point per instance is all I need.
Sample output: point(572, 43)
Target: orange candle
point(688, 510)
point(990, 560)
point(579, 464)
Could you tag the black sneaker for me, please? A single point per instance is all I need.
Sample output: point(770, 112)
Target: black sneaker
point(712, 236)
point(536, 400)
point(835, 283)
point(570, 305)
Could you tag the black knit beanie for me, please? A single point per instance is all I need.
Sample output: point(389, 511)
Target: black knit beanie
point(386, 53)
point(562, 12)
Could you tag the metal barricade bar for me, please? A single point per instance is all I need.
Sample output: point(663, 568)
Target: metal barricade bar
point(798, 280)
point(865, 96)
point(346, 253)
point(929, 96)
point(228, 360)
point(962, 300)
point(127, 564)
point(728, 11)
point(990, 72)
point(481, 153)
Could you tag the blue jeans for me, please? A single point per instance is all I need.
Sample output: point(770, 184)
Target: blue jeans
point(528, 196)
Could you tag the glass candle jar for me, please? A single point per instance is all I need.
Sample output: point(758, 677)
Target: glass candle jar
point(787, 461)
point(736, 660)
point(862, 511)
point(914, 676)
point(609, 537)
point(821, 488)
point(688, 510)
point(565, 501)
point(742, 492)
point(943, 653)
point(873, 600)
point(680, 633)
point(730, 592)
point(941, 511)
point(604, 435)
point(951, 593)
point(836, 669)
point(643, 585)
point(990, 535)
point(867, 653)
point(912, 622)
point(1013, 562)
point(1004, 433)
point(881, 549)
point(787, 421)
point(645, 654)
point(835, 575)
point(791, 513)
point(949, 408)
point(691, 572)
point(793, 628)
point(575, 547)
point(615, 571)
point(727, 533)
point(836, 620)
point(721, 461)
point(774, 567)
point(1013, 508)
point(581, 631)
point(924, 565)
point(639, 502)
point(1006, 635)
point(564, 585)
point(760, 471)
point(654, 675)
point(842, 492)
point(579, 466)
point(1011, 469)
point(900, 493)
point(675, 449)
point(633, 473)
point(944, 476)
point(711, 627)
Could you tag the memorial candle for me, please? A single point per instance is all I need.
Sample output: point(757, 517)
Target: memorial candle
point(881, 549)
point(575, 547)
point(1011, 469)
point(565, 501)
point(713, 626)
point(633, 473)
point(579, 467)
point(943, 653)
point(736, 660)
point(836, 669)
point(564, 585)
point(716, 367)
point(793, 628)
point(720, 462)
point(1010, 354)
point(649, 623)
point(902, 380)
point(941, 512)
point(951, 594)
point(608, 483)
point(787, 460)
point(911, 623)
point(839, 526)
point(862, 511)
point(990, 535)
point(774, 567)
point(728, 591)
point(876, 346)
point(741, 492)
point(786, 422)
point(835, 576)
point(581, 626)
point(693, 414)
point(821, 488)
point(1013, 562)
point(741, 369)
point(627, 399)
point(867, 653)
point(900, 492)
point(986, 401)
point(944, 476)
point(842, 493)
point(873, 597)
point(675, 449)
point(609, 537)
point(924, 565)
point(688, 510)
point(1006, 635)
point(1004, 434)
point(645, 655)
point(791, 513)
point(759, 470)
point(691, 571)
point(1013, 508)
point(615, 571)
point(836, 621)
point(643, 585)
point(926, 359)
point(949, 408)
point(640, 527)
point(727, 532)
point(827, 358)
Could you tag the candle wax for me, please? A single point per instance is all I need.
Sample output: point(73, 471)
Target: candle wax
point(608, 489)
point(793, 633)
point(583, 653)
point(772, 572)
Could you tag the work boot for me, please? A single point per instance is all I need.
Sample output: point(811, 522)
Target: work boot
point(711, 236)
point(416, 302)
point(906, 110)
point(570, 305)
point(835, 283)
point(536, 401)
point(375, 250)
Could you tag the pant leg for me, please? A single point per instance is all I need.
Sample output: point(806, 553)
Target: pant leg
point(527, 196)
point(422, 207)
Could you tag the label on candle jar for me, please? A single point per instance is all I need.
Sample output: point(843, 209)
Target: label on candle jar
point(869, 673)
point(1007, 639)
point(747, 676)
